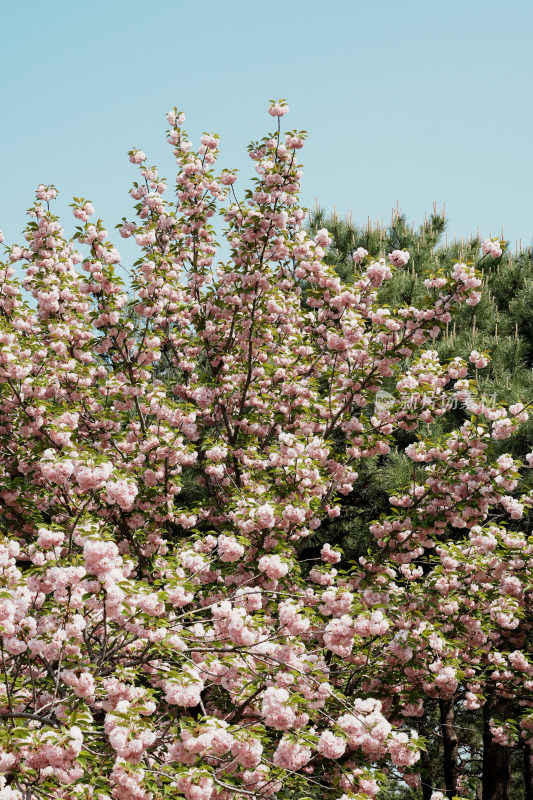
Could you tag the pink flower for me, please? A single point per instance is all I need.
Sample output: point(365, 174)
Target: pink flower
point(49, 539)
point(399, 258)
point(445, 679)
point(121, 492)
point(195, 786)
point(339, 636)
point(359, 255)
point(329, 555)
point(137, 156)
point(502, 429)
point(478, 359)
point(435, 283)
point(323, 238)
point(127, 229)
point(491, 247)
point(273, 566)
point(229, 548)
point(46, 193)
point(275, 710)
point(290, 618)
point(187, 692)
point(264, 516)
point(518, 412)
point(513, 507)
point(247, 753)
point(331, 746)
point(57, 471)
point(89, 477)
point(145, 239)
point(216, 453)
point(100, 557)
point(294, 142)
point(278, 109)
point(203, 396)
point(291, 755)
point(377, 272)
point(209, 141)
point(402, 752)
point(466, 275)
point(228, 178)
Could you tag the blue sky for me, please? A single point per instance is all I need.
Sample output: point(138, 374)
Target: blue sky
point(409, 102)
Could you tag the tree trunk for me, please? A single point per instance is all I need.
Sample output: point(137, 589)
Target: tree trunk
point(528, 773)
point(450, 745)
point(496, 759)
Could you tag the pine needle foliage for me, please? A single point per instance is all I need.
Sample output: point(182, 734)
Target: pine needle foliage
point(500, 326)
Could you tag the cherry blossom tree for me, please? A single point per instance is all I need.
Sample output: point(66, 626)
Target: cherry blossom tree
point(154, 646)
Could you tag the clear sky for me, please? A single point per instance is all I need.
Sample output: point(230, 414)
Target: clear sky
point(405, 102)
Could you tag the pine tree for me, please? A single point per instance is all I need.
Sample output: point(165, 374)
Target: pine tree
point(500, 326)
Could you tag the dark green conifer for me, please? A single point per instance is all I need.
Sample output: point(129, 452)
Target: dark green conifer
point(500, 326)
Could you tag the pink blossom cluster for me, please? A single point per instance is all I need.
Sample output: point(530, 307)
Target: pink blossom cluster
point(491, 247)
point(172, 616)
point(399, 258)
point(359, 255)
